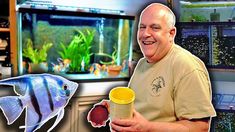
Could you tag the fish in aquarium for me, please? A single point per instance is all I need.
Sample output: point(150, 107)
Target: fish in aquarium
point(43, 95)
point(62, 67)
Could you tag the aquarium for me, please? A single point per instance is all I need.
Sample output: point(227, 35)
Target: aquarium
point(224, 121)
point(212, 42)
point(80, 43)
point(207, 11)
point(195, 39)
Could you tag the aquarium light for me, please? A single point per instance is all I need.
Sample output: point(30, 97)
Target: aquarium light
point(75, 17)
point(63, 6)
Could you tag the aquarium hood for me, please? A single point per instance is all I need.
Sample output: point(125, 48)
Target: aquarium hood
point(62, 5)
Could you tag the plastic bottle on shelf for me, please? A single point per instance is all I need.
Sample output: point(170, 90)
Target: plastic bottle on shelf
point(215, 16)
point(6, 70)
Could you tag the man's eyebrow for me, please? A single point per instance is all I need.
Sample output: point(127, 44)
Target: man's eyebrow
point(155, 25)
point(152, 25)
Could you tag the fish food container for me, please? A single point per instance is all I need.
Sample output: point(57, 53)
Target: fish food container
point(121, 103)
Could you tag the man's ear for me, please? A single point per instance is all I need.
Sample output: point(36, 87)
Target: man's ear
point(172, 33)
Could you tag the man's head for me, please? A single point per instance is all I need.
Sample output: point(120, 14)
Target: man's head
point(156, 31)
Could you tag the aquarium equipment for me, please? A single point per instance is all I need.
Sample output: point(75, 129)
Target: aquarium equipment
point(80, 43)
point(204, 11)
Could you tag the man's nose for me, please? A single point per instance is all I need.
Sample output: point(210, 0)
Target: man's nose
point(147, 32)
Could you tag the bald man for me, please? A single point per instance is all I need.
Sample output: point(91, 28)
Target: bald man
point(172, 86)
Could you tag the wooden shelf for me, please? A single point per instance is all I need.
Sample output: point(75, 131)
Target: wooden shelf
point(4, 29)
point(11, 31)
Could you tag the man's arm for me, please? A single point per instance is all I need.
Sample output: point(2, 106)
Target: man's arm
point(197, 125)
point(140, 124)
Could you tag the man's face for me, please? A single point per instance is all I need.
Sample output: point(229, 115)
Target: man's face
point(154, 35)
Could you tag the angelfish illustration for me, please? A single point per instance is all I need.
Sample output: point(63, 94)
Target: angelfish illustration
point(43, 95)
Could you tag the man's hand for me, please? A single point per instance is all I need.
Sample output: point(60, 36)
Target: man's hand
point(137, 123)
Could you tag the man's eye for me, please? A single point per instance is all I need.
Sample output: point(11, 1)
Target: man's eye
point(155, 28)
point(141, 27)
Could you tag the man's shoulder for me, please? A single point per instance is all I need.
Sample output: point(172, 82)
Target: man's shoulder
point(181, 54)
point(142, 61)
point(185, 59)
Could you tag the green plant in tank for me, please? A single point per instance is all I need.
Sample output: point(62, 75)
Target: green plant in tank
point(215, 60)
point(71, 52)
point(198, 18)
point(36, 55)
point(113, 57)
point(78, 51)
point(86, 46)
point(203, 5)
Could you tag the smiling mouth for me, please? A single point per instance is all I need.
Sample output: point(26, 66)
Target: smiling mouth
point(148, 42)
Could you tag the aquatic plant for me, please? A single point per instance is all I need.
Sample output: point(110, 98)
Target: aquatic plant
point(86, 46)
point(78, 50)
point(113, 57)
point(198, 18)
point(215, 60)
point(113, 68)
point(36, 55)
point(203, 5)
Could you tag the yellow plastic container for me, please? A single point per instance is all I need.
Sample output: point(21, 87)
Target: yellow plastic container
point(121, 103)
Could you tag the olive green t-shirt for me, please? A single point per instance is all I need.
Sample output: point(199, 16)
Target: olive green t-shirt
point(176, 87)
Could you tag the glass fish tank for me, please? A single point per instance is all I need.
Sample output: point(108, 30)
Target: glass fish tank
point(203, 11)
point(212, 42)
point(224, 121)
point(79, 43)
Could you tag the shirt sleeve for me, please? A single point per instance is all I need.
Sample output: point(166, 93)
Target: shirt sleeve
point(193, 96)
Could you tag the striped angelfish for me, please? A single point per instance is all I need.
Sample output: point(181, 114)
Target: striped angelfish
point(43, 95)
